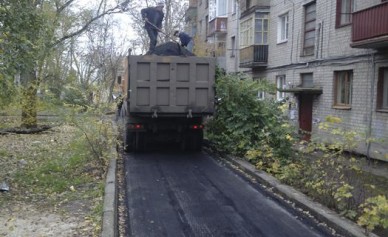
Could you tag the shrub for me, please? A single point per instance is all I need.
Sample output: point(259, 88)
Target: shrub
point(243, 123)
point(374, 213)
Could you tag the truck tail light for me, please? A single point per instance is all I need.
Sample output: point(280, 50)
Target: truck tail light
point(197, 126)
point(135, 126)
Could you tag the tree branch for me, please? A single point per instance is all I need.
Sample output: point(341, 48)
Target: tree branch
point(114, 10)
point(63, 7)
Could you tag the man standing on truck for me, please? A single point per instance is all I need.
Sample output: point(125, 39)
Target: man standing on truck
point(186, 40)
point(153, 17)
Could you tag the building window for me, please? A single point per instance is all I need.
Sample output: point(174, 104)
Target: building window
point(343, 81)
point(309, 29)
point(233, 44)
point(280, 84)
point(217, 8)
point(307, 80)
point(382, 90)
point(344, 12)
point(254, 31)
point(260, 94)
point(261, 28)
point(283, 28)
point(246, 33)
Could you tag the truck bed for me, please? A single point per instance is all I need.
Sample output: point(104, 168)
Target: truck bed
point(170, 85)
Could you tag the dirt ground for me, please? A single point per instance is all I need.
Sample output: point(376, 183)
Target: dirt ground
point(26, 213)
point(26, 220)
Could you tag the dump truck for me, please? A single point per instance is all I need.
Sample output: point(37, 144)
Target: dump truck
point(166, 98)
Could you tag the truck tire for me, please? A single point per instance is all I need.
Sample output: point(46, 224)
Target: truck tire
point(195, 140)
point(128, 141)
point(140, 141)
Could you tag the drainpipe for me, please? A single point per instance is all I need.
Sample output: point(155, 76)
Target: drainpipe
point(372, 89)
point(237, 41)
point(292, 30)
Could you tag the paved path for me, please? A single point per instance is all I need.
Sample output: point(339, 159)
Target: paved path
point(180, 194)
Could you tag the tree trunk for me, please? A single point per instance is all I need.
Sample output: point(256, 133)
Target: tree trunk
point(29, 99)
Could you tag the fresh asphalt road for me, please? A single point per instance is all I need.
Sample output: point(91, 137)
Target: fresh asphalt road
point(171, 193)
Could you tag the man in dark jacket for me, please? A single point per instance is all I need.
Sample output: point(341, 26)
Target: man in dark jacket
point(186, 40)
point(153, 17)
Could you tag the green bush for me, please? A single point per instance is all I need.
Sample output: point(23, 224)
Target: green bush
point(244, 124)
point(374, 213)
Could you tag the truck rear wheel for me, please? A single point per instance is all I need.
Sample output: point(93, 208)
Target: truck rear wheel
point(140, 141)
point(195, 139)
point(128, 141)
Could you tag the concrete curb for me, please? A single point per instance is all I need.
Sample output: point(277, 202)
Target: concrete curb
point(342, 225)
point(110, 212)
point(109, 219)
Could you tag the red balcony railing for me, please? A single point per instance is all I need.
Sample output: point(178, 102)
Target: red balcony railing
point(370, 27)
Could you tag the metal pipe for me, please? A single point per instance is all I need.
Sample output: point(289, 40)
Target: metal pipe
point(372, 89)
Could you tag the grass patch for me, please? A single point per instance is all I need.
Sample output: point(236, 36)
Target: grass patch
point(61, 170)
point(68, 169)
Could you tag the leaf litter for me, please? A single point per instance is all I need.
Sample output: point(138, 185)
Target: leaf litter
point(27, 210)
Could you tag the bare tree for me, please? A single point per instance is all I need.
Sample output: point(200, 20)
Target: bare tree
point(174, 16)
point(40, 27)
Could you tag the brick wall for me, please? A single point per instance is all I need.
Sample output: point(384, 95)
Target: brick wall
point(333, 53)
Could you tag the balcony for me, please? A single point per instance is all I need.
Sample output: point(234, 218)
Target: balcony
point(218, 25)
point(254, 56)
point(370, 27)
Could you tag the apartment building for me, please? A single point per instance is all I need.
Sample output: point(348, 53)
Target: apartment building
point(328, 58)
point(331, 57)
point(214, 23)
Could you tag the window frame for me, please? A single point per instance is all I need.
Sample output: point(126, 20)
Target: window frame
point(348, 90)
point(280, 80)
point(233, 44)
point(382, 90)
point(340, 13)
point(283, 28)
point(263, 32)
point(261, 95)
point(248, 30)
point(310, 49)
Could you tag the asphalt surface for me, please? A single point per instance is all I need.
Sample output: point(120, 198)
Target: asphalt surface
point(171, 193)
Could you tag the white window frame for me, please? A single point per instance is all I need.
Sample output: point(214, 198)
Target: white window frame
point(246, 33)
point(261, 35)
point(283, 24)
point(248, 30)
point(280, 84)
point(260, 94)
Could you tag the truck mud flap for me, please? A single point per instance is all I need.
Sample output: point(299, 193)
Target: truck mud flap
point(135, 141)
point(192, 141)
